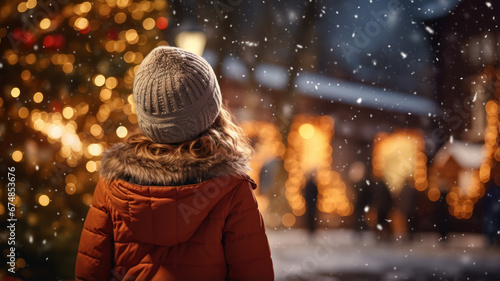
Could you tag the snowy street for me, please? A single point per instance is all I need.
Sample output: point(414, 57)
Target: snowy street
point(345, 255)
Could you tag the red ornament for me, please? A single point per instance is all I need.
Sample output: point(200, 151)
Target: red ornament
point(113, 34)
point(86, 30)
point(26, 37)
point(55, 106)
point(161, 22)
point(55, 41)
point(59, 41)
point(48, 41)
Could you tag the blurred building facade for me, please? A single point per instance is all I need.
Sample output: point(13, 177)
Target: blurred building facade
point(380, 67)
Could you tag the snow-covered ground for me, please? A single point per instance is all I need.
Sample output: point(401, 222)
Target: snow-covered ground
point(346, 255)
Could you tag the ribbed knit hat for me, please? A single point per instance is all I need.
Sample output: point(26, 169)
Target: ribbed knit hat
point(176, 95)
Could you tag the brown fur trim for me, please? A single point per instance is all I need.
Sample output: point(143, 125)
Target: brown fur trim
point(121, 161)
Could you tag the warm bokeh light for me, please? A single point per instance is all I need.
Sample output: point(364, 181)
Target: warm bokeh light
point(121, 132)
point(99, 80)
point(38, 97)
point(55, 131)
point(288, 220)
point(68, 112)
point(111, 82)
point(67, 67)
point(192, 41)
point(30, 4)
point(43, 200)
point(434, 194)
point(22, 7)
point(105, 94)
point(306, 131)
point(21, 263)
point(96, 130)
point(91, 166)
point(131, 36)
point(23, 112)
point(81, 23)
point(25, 75)
point(120, 18)
point(15, 92)
point(148, 23)
point(45, 23)
point(95, 149)
point(70, 188)
point(30, 59)
point(87, 199)
point(83, 8)
point(17, 156)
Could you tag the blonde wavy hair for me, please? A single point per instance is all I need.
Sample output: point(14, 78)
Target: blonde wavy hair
point(223, 136)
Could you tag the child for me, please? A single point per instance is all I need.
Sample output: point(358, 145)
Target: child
point(174, 202)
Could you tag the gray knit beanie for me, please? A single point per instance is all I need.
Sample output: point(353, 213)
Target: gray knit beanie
point(176, 95)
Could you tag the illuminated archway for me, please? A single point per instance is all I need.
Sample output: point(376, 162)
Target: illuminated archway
point(268, 146)
point(309, 149)
point(400, 156)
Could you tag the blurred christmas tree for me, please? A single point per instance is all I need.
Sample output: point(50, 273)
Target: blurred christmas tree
point(66, 77)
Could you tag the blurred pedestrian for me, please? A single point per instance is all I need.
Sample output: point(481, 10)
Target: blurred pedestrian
point(407, 205)
point(442, 211)
point(360, 181)
point(382, 201)
point(311, 198)
point(174, 202)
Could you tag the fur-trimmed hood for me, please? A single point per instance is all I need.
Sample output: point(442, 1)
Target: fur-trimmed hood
point(122, 162)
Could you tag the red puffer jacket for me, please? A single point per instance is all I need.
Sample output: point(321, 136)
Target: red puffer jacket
point(210, 230)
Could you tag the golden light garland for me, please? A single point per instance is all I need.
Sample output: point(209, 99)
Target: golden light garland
point(410, 164)
point(461, 202)
point(62, 128)
point(268, 146)
point(64, 111)
point(309, 151)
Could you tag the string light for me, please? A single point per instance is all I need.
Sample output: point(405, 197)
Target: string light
point(161, 22)
point(121, 132)
point(268, 146)
point(148, 23)
point(81, 23)
point(43, 200)
point(405, 152)
point(30, 4)
point(68, 112)
point(461, 201)
point(99, 80)
point(70, 188)
point(288, 220)
point(111, 82)
point(17, 156)
point(309, 150)
point(120, 18)
point(91, 166)
point(15, 92)
point(95, 149)
point(63, 116)
point(23, 112)
point(131, 36)
point(45, 23)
